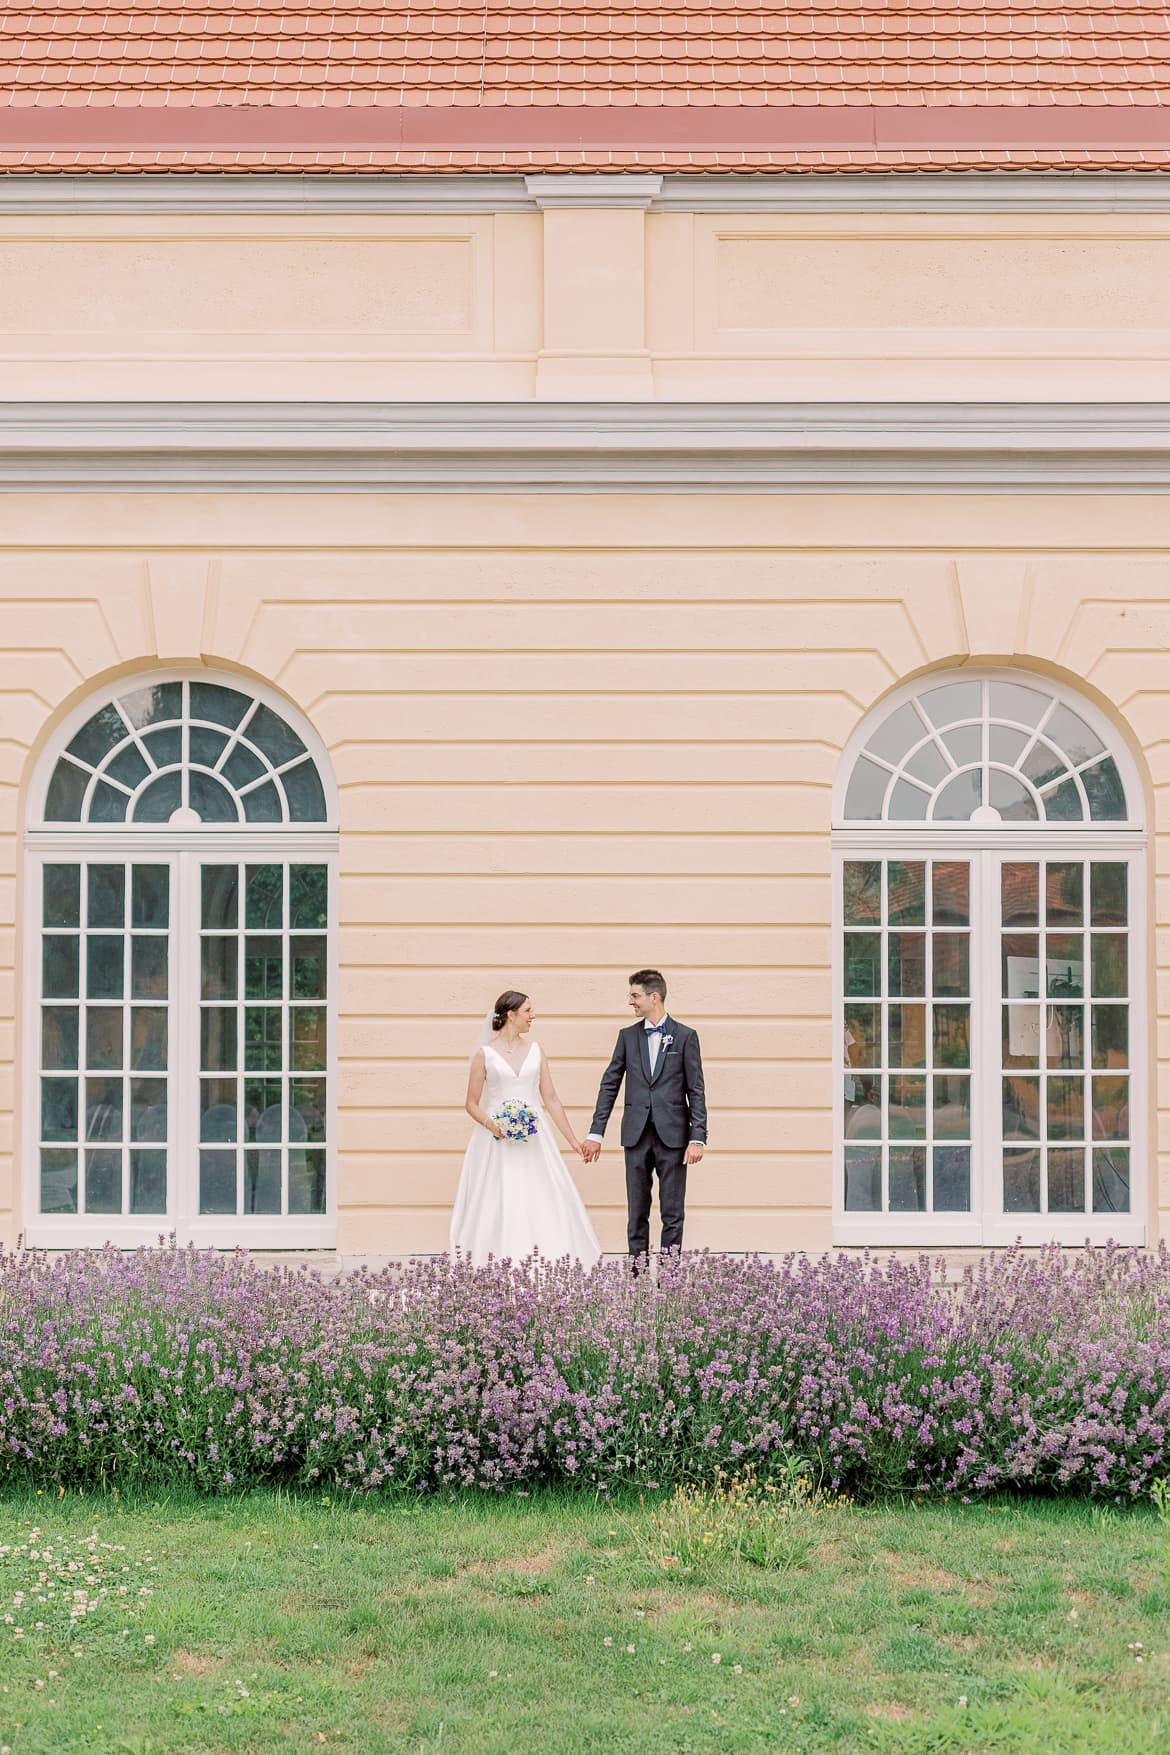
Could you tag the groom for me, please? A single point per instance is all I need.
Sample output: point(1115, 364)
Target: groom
point(664, 1126)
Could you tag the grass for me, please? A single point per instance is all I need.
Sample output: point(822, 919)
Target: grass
point(551, 1623)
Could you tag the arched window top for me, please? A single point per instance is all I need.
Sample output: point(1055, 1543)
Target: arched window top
point(181, 752)
point(991, 750)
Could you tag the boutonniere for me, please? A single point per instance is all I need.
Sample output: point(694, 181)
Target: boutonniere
point(667, 1042)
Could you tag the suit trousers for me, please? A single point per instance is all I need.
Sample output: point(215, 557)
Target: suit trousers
point(642, 1160)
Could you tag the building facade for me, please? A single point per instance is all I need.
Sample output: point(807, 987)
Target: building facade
point(417, 585)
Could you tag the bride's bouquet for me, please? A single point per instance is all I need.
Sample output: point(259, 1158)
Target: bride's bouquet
point(516, 1119)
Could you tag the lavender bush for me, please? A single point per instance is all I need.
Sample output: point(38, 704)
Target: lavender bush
point(168, 1365)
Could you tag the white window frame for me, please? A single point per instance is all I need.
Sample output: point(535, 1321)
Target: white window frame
point(984, 846)
point(185, 850)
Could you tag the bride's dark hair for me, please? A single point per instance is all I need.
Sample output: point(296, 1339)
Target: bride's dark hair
point(507, 1002)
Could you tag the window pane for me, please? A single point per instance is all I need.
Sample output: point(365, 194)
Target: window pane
point(908, 1108)
point(150, 705)
point(61, 887)
point(217, 1181)
point(1021, 1035)
point(863, 979)
point(103, 1181)
point(951, 894)
point(148, 1110)
point(908, 803)
point(262, 804)
point(262, 1182)
point(862, 886)
point(1066, 1108)
point(863, 1179)
point(263, 1039)
point(1105, 792)
point(165, 748)
point(107, 895)
point(148, 1181)
point(205, 746)
point(221, 706)
point(306, 1182)
point(108, 804)
point(1021, 1181)
point(218, 1116)
point(221, 897)
point(1110, 894)
point(265, 906)
point(1110, 1108)
point(242, 767)
point(1021, 965)
point(1064, 889)
point(1021, 1108)
point(952, 1035)
point(159, 801)
point(212, 800)
point(1110, 1179)
point(907, 964)
point(1065, 965)
point(863, 1106)
point(278, 741)
point(99, 735)
point(1010, 797)
point(148, 1039)
point(961, 797)
point(58, 1109)
point(308, 968)
point(264, 1109)
point(1064, 804)
point(104, 958)
point(59, 966)
point(1110, 1035)
point(263, 968)
point(218, 976)
point(217, 1037)
point(1020, 894)
point(148, 968)
point(307, 1023)
point(308, 897)
point(305, 793)
point(66, 793)
point(952, 1179)
point(1064, 1035)
point(863, 1034)
point(952, 970)
point(907, 1035)
point(103, 1109)
point(128, 766)
point(952, 1106)
point(150, 896)
point(1110, 977)
point(965, 745)
point(59, 1036)
point(307, 1110)
point(103, 1038)
point(907, 1179)
point(906, 886)
point(58, 1180)
point(1066, 1181)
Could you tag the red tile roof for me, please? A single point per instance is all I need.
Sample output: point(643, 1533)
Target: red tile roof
point(449, 86)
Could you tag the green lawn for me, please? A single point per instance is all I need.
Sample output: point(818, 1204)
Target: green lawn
point(550, 1623)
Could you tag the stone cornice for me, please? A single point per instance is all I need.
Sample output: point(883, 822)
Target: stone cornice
point(926, 192)
point(667, 447)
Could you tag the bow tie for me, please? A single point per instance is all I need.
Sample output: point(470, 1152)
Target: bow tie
point(654, 1029)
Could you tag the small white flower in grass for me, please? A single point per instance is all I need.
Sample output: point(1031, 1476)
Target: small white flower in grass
point(607, 1640)
point(492, 1674)
point(150, 1639)
point(589, 1580)
point(1135, 1645)
point(738, 1668)
point(631, 1649)
point(794, 1700)
point(716, 1658)
point(962, 1700)
point(38, 1683)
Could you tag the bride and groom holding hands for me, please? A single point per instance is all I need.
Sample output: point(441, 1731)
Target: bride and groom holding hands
point(515, 1193)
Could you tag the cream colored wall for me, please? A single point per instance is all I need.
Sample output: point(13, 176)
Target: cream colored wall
point(574, 303)
point(573, 735)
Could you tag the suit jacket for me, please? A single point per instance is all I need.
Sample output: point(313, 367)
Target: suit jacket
point(674, 1099)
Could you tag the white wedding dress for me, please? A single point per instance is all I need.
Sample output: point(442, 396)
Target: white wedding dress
point(517, 1196)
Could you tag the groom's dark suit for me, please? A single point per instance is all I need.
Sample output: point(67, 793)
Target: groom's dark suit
point(665, 1110)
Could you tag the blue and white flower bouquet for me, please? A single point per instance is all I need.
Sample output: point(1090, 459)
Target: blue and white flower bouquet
point(516, 1119)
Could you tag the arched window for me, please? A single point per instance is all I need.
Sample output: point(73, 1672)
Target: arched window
point(180, 882)
point(989, 879)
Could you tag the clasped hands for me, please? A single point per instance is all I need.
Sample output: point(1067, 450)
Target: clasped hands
point(591, 1151)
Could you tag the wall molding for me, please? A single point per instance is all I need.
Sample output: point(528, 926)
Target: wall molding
point(976, 192)
point(582, 447)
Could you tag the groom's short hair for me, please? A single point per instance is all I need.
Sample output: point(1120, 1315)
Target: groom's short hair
point(650, 981)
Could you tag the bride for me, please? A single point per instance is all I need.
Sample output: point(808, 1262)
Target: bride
point(516, 1196)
